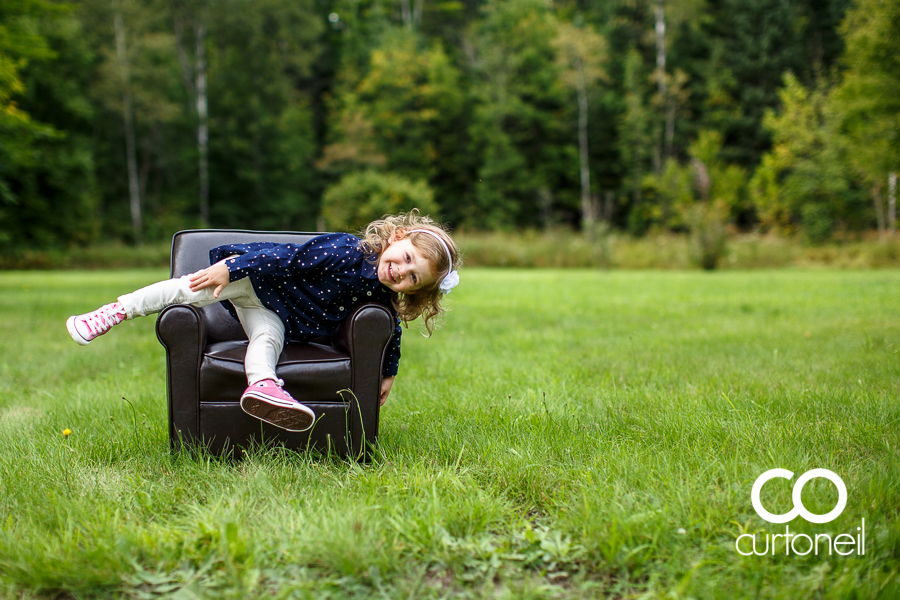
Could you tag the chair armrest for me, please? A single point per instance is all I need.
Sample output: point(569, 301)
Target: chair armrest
point(181, 329)
point(364, 336)
point(363, 328)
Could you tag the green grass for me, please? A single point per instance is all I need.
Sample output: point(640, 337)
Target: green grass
point(565, 434)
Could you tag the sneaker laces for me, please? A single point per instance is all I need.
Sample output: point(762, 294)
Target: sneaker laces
point(280, 384)
point(102, 319)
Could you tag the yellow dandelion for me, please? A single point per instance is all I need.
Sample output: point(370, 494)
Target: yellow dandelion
point(67, 431)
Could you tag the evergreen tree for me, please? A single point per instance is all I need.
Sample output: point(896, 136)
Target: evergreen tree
point(47, 192)
point(262, 141)
point(750, 45)
point(519, 128)
point(805, 179)
point(867, 100)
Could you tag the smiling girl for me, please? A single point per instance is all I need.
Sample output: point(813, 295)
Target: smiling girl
point(301, 292)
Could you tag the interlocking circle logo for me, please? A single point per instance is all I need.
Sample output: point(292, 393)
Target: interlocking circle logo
point(799, 509)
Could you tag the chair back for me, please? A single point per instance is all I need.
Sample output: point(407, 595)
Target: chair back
point(190, 253)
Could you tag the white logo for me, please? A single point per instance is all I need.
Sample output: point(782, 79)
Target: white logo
point(799, 509)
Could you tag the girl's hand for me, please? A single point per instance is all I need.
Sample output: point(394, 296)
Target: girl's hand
point(386, 384)
point(216, 275)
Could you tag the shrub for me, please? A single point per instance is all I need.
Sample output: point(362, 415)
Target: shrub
point(361, 197)
point(708, 233)
point(817, 223)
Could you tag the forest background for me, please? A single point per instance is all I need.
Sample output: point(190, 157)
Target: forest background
point(129, 120)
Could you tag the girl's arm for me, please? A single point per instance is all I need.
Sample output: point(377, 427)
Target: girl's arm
point(261, 258)
point(217, 275)
point(323, 253)
point(220, 252)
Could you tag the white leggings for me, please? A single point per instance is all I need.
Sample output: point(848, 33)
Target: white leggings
point(263, 327)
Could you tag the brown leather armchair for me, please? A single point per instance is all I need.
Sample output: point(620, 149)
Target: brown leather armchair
point(205, 367)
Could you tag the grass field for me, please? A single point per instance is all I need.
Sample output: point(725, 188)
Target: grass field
point(566, 434)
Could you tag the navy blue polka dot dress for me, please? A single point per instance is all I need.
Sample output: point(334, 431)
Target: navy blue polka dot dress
point(313, 287)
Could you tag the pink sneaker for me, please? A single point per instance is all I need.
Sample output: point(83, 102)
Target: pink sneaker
point(84, 328)
point(267, 401)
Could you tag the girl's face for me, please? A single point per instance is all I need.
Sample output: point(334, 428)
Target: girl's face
point(402, 268)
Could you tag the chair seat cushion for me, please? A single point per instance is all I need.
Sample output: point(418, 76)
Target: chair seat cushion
point(311, 372)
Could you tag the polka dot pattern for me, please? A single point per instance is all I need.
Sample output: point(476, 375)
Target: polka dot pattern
point(311, 286)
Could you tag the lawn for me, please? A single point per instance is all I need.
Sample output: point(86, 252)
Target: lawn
point(565, 434)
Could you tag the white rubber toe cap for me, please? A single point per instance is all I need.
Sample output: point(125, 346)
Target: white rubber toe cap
point(70, 325)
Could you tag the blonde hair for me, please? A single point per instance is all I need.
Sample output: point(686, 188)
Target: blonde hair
point(380, 234)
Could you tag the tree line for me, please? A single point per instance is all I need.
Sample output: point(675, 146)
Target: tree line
point(130, 120)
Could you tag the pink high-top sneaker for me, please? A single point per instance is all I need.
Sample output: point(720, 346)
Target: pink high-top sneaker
point(86, 327)
point(266, 400)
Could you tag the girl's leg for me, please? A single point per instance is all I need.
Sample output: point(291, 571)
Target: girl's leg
point(264, 329)
point(146, 301)
point(265, 398)
point(265, 333)
point(157, 296)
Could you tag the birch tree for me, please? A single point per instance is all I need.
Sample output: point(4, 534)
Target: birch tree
point(669, 16)
point(634, 139)
point(124, 64)
point(892, 202)
point(411, 16)
point(581, 56)
point(660, 76)
point(194, 16)
point(131, 81)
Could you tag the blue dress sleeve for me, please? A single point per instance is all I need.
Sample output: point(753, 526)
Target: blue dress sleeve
point(269, 259)
point(392, 353)
point(243, 257)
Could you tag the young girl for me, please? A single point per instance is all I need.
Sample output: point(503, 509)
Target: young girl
point(301, 292)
